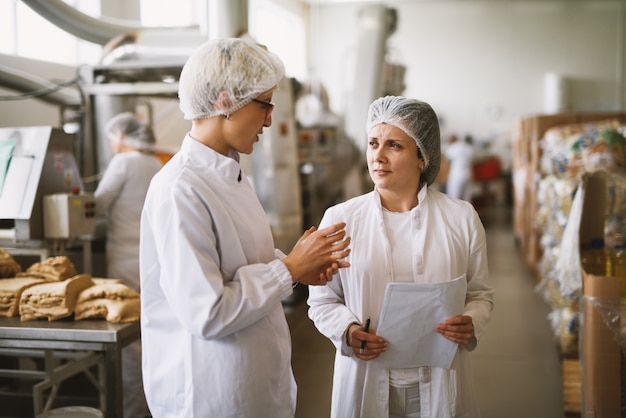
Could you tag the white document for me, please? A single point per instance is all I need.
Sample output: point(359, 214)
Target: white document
point(410, 314)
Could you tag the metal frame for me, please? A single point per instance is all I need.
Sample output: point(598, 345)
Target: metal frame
point(102, 338)
point(52, 376)
point(47, 248)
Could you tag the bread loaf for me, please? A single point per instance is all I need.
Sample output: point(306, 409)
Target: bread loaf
point(111, 300)
point(52, 269)
point(53, 300)
point(10, 292)
point(8, 266)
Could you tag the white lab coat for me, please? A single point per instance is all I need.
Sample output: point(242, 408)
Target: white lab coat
point(120, 196)
point(215, 337)
point(448, 241)
point(461, 156)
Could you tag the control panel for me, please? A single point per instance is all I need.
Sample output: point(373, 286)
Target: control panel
point(69, 215)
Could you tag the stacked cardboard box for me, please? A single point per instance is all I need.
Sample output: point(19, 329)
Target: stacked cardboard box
point(601, 358)
point(527, 153)
point(527, 178)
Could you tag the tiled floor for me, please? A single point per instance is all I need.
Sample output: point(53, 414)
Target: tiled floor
point(516, 365)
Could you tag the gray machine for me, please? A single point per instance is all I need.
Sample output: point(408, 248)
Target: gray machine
point(37, 161)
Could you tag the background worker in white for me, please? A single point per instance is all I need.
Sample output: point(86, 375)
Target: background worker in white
point(120, 196)
point(460, 153)
point(122, 190)
point(215, 338)
point(402, 231)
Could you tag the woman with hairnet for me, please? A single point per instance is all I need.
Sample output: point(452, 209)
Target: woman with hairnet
point(120, 196)
point(215, 337)
point(403, 231)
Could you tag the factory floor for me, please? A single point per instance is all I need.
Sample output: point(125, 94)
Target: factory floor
point(516, 365)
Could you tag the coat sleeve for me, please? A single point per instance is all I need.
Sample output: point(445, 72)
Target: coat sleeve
point(479, 298)
point(327, 308)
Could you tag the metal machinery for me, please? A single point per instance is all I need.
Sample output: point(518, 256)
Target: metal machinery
point(331, 149)
point(298, 169)
point(374, 76)
point(38, 163)
point(41, 162)
point(273, 170)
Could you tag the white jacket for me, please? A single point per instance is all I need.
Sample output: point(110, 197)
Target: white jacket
point(461, 156)
point(448, 241)
point(120, 196)
point(215, 337)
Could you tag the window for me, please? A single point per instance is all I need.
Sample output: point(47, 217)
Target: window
point(278, 24)
point(283, 32)
point(47, 42)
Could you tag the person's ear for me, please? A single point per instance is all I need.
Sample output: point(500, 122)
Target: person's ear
point(223, 101)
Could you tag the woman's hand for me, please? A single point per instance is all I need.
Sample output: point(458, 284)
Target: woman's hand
point(318, 255)
point(373, 347)
point(458, 329)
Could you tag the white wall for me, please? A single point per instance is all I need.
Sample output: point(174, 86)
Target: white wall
point(481, 64)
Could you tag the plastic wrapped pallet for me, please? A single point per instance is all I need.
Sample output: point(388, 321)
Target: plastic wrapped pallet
point(602, 337)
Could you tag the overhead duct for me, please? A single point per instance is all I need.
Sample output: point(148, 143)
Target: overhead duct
point(376, 24)
point(99, 31)
point(227, 18)
point(27, 83)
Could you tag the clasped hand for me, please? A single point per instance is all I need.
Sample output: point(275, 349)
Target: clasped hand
point(318, 255)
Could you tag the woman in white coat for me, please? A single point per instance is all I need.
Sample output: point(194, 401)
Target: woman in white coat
point(402, 231)
point(122, 190)
point(461, 157)
point(120, 196)
point(215, 337)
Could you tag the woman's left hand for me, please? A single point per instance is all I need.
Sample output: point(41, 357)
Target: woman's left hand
point(458, 329)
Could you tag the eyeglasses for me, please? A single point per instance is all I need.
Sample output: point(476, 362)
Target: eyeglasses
point(268, 106)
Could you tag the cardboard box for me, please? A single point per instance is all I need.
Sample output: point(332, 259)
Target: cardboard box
point(602, 377)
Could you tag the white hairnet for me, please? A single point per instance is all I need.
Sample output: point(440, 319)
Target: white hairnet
point(131, 131)
point(416, 119)
point(235, 68)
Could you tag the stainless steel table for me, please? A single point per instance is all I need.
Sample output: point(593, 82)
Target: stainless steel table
point(89, 335)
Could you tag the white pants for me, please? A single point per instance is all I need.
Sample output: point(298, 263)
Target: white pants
point(404, 402)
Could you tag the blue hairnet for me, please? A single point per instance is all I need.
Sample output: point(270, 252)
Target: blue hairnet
point(232, 67)
point(416, 119)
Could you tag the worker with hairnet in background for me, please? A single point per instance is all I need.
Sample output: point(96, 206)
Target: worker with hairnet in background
point(119, 197)
point(215, 337)
point(411, 233)
point(460, 153)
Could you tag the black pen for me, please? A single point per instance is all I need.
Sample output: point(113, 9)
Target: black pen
point(367, 329)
